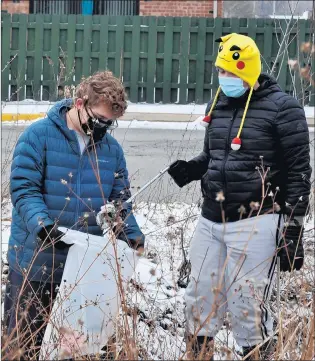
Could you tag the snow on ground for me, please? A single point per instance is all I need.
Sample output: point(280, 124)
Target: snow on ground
point(133, 124)
point(138, 124)
point(30, 106)
point(157, 298)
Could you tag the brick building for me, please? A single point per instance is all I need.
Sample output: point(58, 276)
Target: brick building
point(198, 8)
point(15, 6)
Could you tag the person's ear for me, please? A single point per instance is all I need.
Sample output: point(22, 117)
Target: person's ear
point(79, 103)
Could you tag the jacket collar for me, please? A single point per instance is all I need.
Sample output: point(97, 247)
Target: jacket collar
point(56, 115)
point(267, 85)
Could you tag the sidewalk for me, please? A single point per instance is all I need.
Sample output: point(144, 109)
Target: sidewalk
point(30, 110)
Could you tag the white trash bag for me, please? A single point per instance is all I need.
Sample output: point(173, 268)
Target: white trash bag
point(84, 312)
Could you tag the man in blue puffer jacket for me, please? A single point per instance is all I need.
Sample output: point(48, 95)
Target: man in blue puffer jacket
point(65, 168)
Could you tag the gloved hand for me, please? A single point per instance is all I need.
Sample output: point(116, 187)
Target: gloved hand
point(106, 215)
point(180, 172)
point(51, 235)
point(111, 215)
point(118, 229)
point(291, 251)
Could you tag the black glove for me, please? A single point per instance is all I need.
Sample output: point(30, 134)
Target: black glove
point(180, 172)
point(51, 235)
point(123, 211)
point(291, 251)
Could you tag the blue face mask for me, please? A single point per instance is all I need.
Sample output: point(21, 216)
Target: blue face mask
point(232, 87)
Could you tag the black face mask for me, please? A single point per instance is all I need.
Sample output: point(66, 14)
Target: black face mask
point(97, 126)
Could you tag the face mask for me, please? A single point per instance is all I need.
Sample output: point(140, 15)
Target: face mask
point(232, 87)
point(97, 126)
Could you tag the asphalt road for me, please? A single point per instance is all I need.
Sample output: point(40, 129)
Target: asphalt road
point(147, 152)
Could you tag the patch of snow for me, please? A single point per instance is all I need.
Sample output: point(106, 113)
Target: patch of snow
point(5, 235)
point(26, 107)
point(137, 124)
point(29, 106)
point(309, 112)
point(133, 124)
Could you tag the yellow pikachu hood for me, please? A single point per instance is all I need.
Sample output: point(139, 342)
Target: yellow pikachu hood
point(239, 55)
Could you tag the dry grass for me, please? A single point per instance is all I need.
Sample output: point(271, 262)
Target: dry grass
point(151, 322)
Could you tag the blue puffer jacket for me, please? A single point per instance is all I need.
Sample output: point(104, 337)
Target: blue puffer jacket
point(52, 182)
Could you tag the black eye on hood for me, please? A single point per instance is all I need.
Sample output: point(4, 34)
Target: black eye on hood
point(220, 48)
point(236, 56)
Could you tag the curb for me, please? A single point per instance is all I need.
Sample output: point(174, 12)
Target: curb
point(161, 117)
point(9, 117)
point(150, 117)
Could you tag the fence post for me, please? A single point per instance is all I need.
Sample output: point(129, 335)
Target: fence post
point(119, 47)
point(135, 52)
point(71, 36)
point(38, 58)
point(268, 34)
point(167, 65)
point(299, 83)
point(54, 51)
point(20, 81)
point(151, 68)
point(87, 38)
point(283, 61)
point(103, 43)
point(200, 66)
point(5, 55)
point(218, 30)
point(183, 60)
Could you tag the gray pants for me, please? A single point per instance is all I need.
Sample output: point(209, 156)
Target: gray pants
point(232, 268)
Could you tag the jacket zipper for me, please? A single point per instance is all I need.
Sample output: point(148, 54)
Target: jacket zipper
point(227, 151)
point(79, 182)
point(78, 192)
point(78, 187)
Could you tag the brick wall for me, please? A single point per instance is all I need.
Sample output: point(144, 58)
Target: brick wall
point(16, 7)
point(199, 8)
point(202, 8)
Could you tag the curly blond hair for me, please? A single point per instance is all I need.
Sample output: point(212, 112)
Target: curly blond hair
point(103, 86)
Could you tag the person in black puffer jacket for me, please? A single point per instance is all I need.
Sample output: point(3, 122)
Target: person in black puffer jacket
point(255, 180)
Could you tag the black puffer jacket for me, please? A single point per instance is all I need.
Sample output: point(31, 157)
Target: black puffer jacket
point(275, 148)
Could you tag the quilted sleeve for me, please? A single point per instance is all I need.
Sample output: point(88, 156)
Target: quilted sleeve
point(199, 164)
point(293, 138)
point(26, 182)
